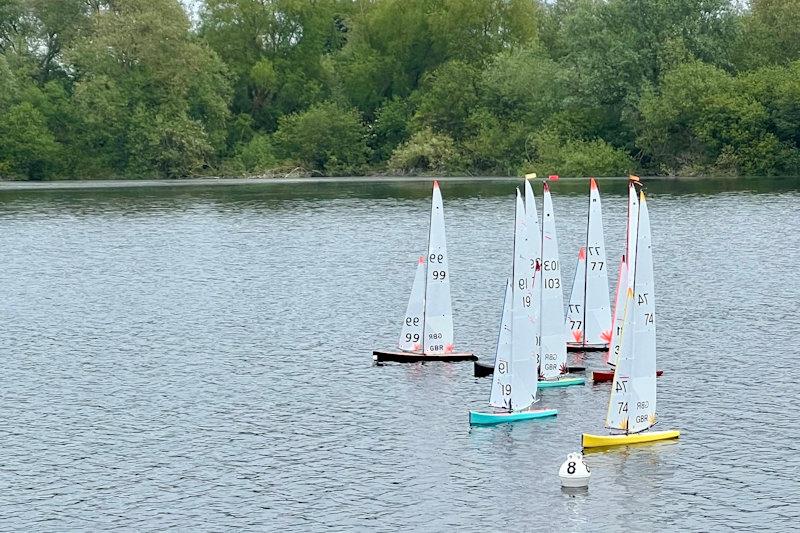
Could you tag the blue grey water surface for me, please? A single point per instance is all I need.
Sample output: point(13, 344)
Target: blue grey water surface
point(200, 358)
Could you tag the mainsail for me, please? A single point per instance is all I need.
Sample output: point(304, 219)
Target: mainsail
point(633, 221)
point(642, 406)
point(552, 332)
point(411, 333)
point(596, 309)
point(589, 311)
point(438, 323)
point(524, 374)
point(532, 221)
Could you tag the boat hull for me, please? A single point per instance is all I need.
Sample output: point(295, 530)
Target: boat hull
point(397, 356)
point(481, 418)
point(599, 376)
point(577, 347)
point(561, 382)
point(596, 441)
point(481, 369)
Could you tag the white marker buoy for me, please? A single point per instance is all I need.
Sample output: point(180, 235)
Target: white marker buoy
point(574, 472)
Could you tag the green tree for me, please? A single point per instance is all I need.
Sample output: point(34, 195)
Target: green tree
point(448, 96)
point(770, 33)
point(426, 151)
point(28, 149)
point(167, 92)
point(325, 138)
point(576, 157)
point(274, 49)
point(702, 119)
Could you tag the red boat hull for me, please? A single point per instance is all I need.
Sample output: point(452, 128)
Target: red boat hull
point(598, 376)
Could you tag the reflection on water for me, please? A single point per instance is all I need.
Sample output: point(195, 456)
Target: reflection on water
point(199, 357)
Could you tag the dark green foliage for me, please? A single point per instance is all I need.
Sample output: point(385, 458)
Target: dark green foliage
point(131, 88)
point(28, 149)
point(426, 151)
point(325, 138)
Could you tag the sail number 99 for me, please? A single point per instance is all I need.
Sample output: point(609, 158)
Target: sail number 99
point(439, 274)
point(434, 258)
point(410, 337)
point(412, 321)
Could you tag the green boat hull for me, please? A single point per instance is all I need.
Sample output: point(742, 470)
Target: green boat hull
point(479, 418)
point(563, 382)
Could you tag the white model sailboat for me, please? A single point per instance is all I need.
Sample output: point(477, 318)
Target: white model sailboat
point(514, 384)
point(427, 331)
point(553, 359)
point(589, 311)
point(481, 368)
point(622, 285)
point(632, 404)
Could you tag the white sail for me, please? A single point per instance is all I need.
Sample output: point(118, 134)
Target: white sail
point(411, 333)
point(535, 242)
point(633, 221)
point(575, 322)
point(501, 379)
point(619, 313)
point(642, 401)
point(597, 309)
point(524, 375)
point(438, 323)
point(617, 414)
point(632, 404)
point(552, 332)
point(532, 221)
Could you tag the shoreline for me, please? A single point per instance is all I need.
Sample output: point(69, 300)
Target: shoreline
point(219, 181)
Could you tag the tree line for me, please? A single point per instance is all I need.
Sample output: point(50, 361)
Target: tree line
point(138, 88)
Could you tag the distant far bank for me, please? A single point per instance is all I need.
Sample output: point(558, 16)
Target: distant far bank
point(225, 181)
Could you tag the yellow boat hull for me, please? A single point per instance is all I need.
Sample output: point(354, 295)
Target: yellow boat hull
point(596, 441)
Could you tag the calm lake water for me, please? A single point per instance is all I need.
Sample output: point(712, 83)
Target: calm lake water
point(200, 358)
